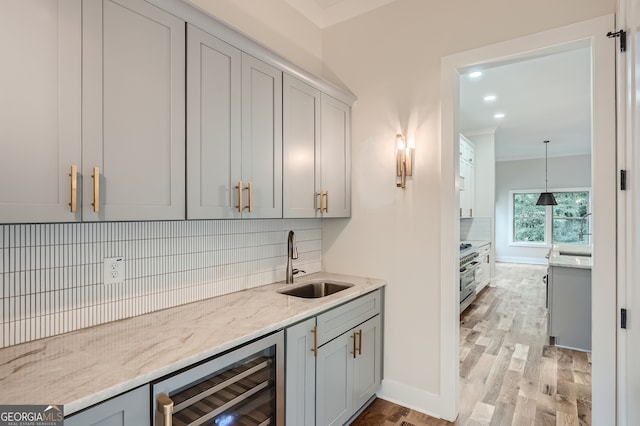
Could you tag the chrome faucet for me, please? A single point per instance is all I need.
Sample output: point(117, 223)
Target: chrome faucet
point(583, 219)
point(292, 253)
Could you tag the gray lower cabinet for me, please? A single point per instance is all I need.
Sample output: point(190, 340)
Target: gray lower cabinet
point(330, 377)
point(129, 409)
point(569, 305)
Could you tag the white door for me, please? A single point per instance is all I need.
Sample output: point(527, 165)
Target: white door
point(40, 82)
point(133, 94)
point(629, 214)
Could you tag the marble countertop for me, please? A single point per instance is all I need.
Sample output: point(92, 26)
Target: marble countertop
point(87, 366)
point(570, 256)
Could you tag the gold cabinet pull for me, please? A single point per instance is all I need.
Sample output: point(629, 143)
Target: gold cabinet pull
point(74, 188)
point(165, 407)
point(239, 188)
point(354, 345)
point(250, 191)
point(326, 201)
point(314, 330)
point(96, 189)
point(359, 342)
point(320, 201)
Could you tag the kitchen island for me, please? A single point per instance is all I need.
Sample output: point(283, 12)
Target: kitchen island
point(569, 297)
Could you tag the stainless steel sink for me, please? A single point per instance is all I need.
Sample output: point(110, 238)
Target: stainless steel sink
point(573, 253)
point(315, 289)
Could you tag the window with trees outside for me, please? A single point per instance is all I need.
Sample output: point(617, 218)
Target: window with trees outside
point(565, 223)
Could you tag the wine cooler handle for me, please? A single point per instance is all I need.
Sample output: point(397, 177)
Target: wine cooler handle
point(165, 407)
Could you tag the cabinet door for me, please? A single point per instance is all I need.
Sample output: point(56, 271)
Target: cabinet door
point(133, 111)
point(40, 82)
point(334, 381)
point(335, 158)
point(262, 137)
point(300, 364)
point(367, 365)
point(301, 115)
point(213, 132)
point(129, 409)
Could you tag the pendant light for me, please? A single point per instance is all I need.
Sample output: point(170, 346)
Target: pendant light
point(546, 198)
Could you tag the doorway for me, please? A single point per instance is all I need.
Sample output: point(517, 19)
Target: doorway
point(591, 34)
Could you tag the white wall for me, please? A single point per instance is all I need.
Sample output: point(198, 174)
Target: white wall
point(564, 172)
point(391, 59)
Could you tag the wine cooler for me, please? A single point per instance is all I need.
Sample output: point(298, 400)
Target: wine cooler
point(244, 387)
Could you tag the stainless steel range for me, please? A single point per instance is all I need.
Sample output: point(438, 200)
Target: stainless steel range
point(468, 266)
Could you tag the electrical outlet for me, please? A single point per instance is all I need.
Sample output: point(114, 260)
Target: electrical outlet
point(114, 270)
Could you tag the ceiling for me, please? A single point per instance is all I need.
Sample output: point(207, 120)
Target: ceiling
point(543, 98)
point(325, 13)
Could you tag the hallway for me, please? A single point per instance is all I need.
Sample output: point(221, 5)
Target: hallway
point(508, 373)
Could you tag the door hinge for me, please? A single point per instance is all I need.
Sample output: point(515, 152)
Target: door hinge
point(623, 318)
point(623, 180)
point(623, 38)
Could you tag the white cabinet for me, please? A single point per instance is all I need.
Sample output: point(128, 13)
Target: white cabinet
point(483, 271)
point(467, 177)
point(316, 153)
point(133, 91)
point(129, 409)
point(40, 109)
point(234, 135)
point(328, 389)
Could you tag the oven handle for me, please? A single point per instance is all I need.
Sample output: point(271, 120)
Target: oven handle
point(165, 407)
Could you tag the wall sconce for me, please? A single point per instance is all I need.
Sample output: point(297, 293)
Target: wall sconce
point(404, 161)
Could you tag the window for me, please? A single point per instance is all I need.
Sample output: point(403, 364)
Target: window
point(528, 219)
point(565, 223)
point(569, 227)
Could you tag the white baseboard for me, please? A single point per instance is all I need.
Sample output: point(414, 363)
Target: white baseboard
point(530, 260)
point(413, 398)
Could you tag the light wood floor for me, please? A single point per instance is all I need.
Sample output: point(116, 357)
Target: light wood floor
point(508, 373)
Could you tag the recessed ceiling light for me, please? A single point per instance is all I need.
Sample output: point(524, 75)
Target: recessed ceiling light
point(475, 74)
point(490, 98)
point(498, 115)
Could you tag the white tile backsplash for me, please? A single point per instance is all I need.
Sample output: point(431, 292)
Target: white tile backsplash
point(51, 275)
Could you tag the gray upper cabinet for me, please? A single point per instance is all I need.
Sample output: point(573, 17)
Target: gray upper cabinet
point(40, 110)
point(317, 153)
point(213, 126)
point(335, 158)
point(301, 146)
point(234, 135)
point(133, 94)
